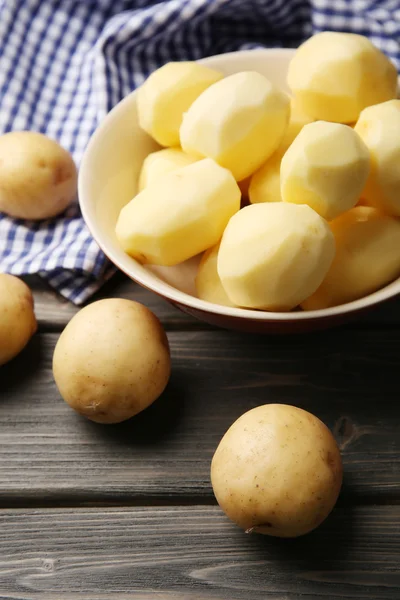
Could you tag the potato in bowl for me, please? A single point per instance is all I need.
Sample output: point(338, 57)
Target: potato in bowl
point(108, 181)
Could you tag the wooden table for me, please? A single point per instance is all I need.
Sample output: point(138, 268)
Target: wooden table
point(91, 512)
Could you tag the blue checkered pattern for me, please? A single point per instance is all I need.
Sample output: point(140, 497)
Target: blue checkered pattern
point(65, 63)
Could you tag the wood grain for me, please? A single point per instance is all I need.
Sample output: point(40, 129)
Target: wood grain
point(348, 379)
point(53, 312)
point(194, 553)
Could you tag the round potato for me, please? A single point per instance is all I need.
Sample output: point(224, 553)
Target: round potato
point(379, 128)
point(326, 167)
point(167, 94)
point(38, 177)
point(17, 318)
point(239, 122)
point(335, 75)
point(277, 471)
point(112, 360)
point(367, 257)
point(271, 254)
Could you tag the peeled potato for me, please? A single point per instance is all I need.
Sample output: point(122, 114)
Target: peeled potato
point(159, 163)
point(208, 282)
point(167, 94)
point(326, 167)
point(273, 254)
point(239, 122)
point(112, 360)
point(17, 317)
point(265, 183)
point(367, 257)
point(379, 128)
point(277, 471)
point(38, 177)
point(182, 215)
point(334, 76)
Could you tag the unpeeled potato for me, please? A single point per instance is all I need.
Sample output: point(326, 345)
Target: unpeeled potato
point(277, 471)
point(17, 317)
point(38, 177)
point(112, 360)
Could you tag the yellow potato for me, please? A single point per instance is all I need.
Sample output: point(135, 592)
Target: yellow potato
point(277, 471)
point(208, 283)
point(159, 163)
point(38, 177)
point(367, 257)
point(334, 76)
point(167, 94)
point(112, 360)
point(17, 318)
point(379, 128)
point(265, 183)
point(273, 254)
point(239, 122)
point(326, 167)
point(181, 216)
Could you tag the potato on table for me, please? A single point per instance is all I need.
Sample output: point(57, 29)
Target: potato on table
point(38, 177)
point(17, 317)
point(367, 257)
point(112, 360)
point(182, 215)
point(379, 128)
point(326, 167)
point(208, 282)
point(273, 254)
point(239, 122)
point(334, 76)
point(277, 471)
point(167, 94)
point(161, 162)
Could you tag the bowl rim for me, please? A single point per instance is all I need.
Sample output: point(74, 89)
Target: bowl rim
point(177, 296)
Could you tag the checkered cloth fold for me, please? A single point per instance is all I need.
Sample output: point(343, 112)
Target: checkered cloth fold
point(65, 63)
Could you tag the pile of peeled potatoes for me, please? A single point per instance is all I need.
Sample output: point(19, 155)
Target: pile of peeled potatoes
point(294, 201)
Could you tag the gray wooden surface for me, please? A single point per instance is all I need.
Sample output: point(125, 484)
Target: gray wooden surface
point(194, 553)
point(98, 512)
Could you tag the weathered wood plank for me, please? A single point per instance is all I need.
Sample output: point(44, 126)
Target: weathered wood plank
point(349, 379)
point(194, 553)
point(54, 312)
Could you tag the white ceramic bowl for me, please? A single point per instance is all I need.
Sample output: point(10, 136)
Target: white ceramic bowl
point(108, 180)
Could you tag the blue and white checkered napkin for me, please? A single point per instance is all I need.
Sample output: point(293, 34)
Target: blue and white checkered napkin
point(65, 63)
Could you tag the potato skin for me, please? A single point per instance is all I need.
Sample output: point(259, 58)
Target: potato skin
point(112, 360)
point(38, 178)
point(17, 317)
point(277, 471)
